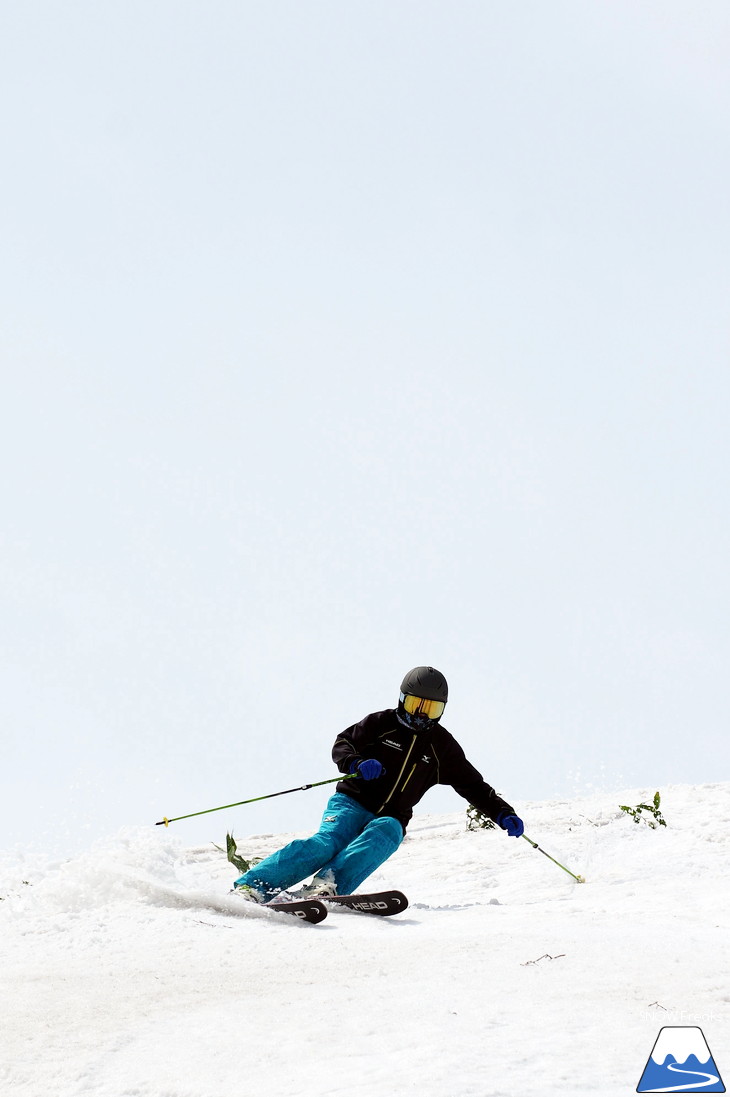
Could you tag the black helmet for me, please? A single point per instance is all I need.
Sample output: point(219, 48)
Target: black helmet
point(426, 682)
point(423, 694)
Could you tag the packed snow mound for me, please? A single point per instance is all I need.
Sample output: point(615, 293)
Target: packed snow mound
point(131, 971)
point(134, 867)
point(146, 865)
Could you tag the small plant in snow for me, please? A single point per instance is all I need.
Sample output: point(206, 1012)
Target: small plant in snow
point(235, 857)
point(477, 820)
point(657, 819)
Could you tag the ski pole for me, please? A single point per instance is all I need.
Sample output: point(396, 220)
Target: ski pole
point(580, 879)
point(254, 799)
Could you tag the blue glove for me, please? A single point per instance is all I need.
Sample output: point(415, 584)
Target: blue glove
point(511, 823)
point(367, 768)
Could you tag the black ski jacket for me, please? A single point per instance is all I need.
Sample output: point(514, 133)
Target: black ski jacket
point(414, 761)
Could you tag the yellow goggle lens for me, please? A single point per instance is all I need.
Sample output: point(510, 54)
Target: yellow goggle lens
point(422, 706)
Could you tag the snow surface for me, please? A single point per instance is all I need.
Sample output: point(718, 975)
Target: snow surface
point(131, 972)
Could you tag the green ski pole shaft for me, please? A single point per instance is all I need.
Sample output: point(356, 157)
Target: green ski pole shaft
point(580, 879)
point(254, 799)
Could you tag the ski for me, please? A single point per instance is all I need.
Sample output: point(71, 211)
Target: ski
point(383, 903)
point(309, 910)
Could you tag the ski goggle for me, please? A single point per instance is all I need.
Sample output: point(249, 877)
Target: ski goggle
point(421, 706)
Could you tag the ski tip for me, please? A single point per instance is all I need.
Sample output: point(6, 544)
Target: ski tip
point(317, 913)
point(307, 910)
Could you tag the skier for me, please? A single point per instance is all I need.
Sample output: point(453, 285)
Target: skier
point(394, 757)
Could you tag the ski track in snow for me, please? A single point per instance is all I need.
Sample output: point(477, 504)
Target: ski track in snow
point(130, 971)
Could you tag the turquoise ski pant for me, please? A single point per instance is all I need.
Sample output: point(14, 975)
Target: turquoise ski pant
point(351, 843)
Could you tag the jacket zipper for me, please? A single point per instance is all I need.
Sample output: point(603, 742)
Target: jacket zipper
point(395, 783)
point(409, 776)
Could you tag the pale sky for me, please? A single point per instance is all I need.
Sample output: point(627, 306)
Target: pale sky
point(341, 338)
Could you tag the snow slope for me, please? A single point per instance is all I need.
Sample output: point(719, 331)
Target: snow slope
point(130, 971)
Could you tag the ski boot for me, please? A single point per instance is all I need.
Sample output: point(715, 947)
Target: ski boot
point(321, 887)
